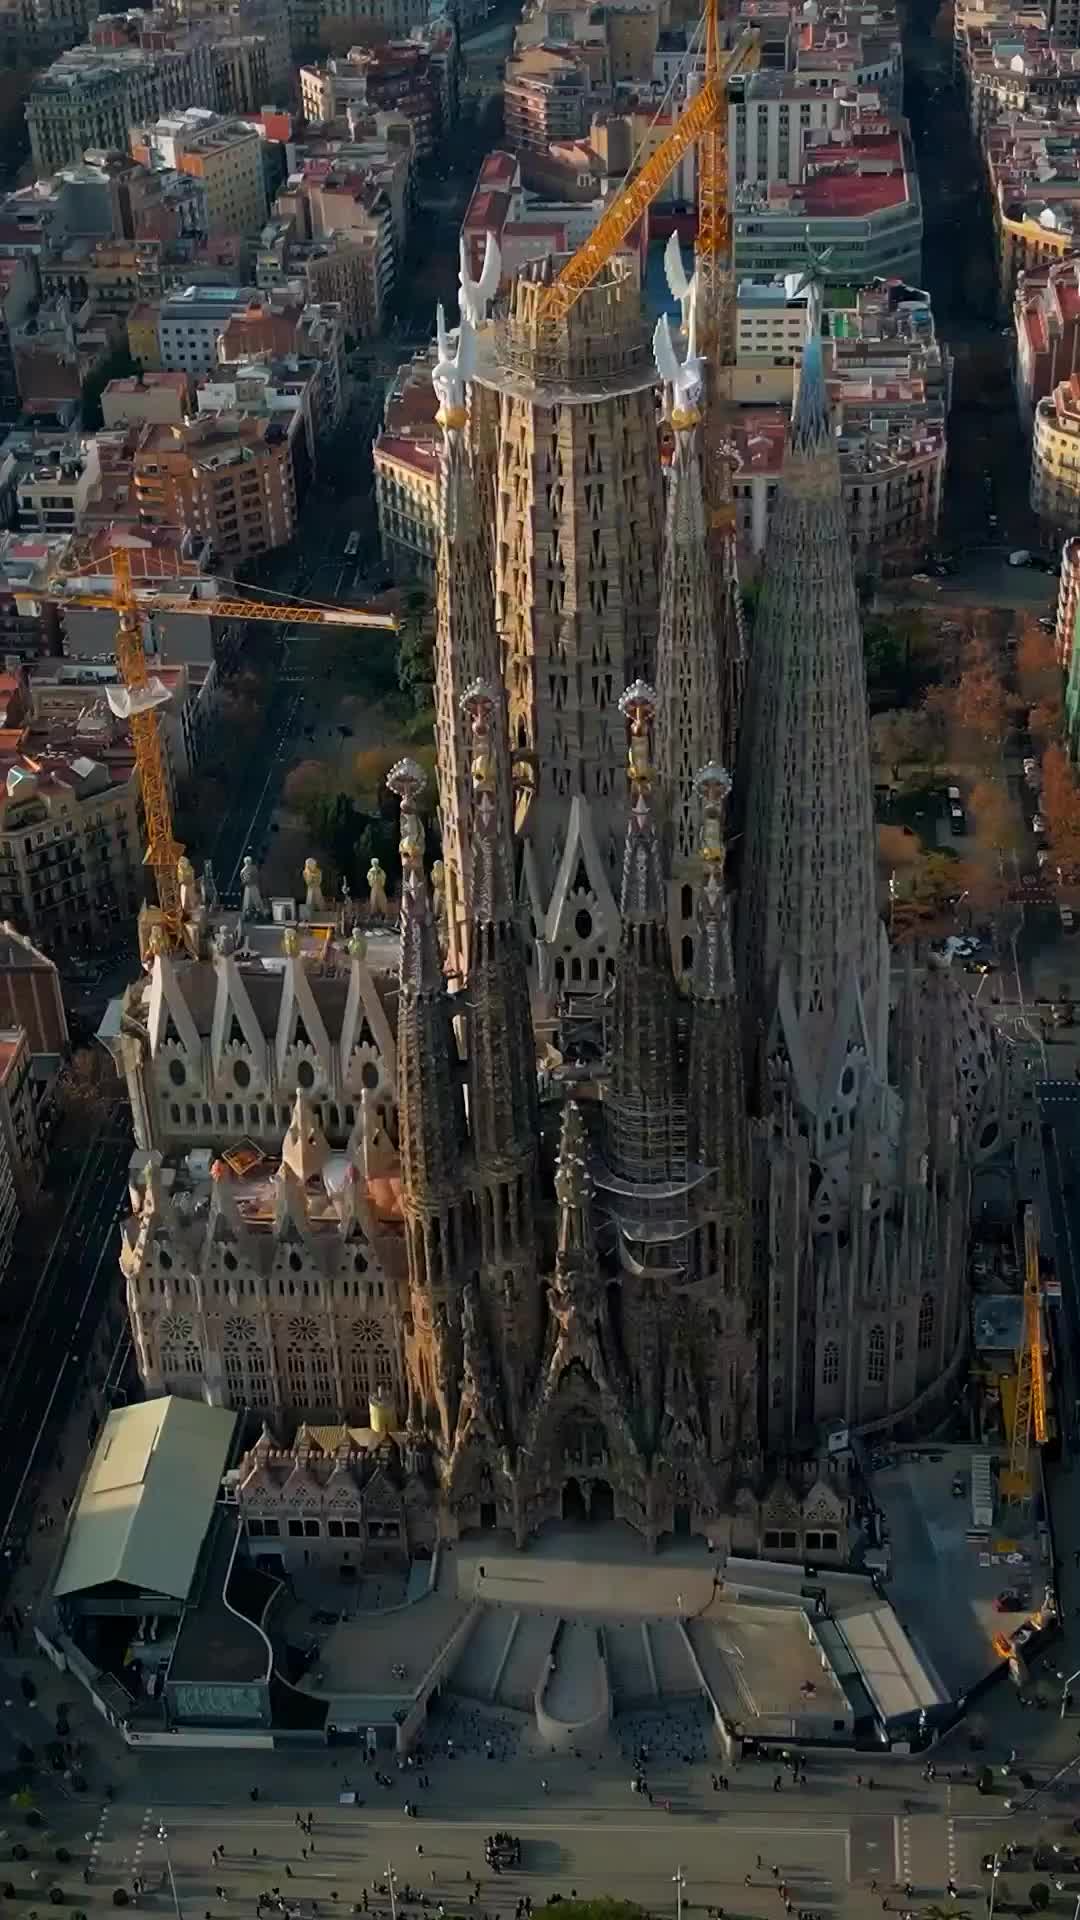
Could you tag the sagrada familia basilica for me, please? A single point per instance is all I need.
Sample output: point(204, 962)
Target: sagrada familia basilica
point(629, 1176)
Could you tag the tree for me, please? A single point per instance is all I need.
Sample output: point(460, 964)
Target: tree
point(1038, 675)
point(116, 366)
point(996, 818)
point(369, 769)
point(976, 710)
point(1061, 806)
point(898, 847)
point(87, 1093)
point(416, 658)
point(907, 738)
point(1039, 1895)
point(307, 786)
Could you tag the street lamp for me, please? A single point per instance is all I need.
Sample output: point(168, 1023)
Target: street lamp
point(1065, 1685)
point(391, 1881)
point(995, 1869)
point(679, 1882)
point(163, 1842)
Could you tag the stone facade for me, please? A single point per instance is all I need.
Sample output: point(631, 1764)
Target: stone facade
point(506, 1267)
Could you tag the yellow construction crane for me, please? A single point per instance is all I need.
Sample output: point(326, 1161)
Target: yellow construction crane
point(703, 123)
point(130, 602)
point(1029, 1410)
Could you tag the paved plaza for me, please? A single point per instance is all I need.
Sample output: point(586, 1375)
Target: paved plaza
point(841, 1847)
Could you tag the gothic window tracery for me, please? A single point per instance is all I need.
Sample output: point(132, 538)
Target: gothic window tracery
point(875, 1356)
point(926, 1323)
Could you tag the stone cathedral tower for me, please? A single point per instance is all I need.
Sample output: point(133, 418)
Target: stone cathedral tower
point(577, 594)
point(859, 1268)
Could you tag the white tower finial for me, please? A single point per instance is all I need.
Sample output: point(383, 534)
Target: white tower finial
point(453, 368)
point(475, 296)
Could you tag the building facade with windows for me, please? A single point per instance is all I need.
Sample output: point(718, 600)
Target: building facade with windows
point(70, 843)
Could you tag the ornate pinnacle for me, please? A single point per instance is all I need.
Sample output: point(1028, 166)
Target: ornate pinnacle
point(478, 706)
point(712, 783)
point(408, 781)
point(638, 708)
point(573, 1182)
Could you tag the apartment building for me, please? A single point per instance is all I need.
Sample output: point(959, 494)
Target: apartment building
point(55, 490)
point(1055, 459)
point(329, 23)
point(887, 327)
point(406, 460)
point(285, 391)
point(29, 621)
point(163, 398)
point(548, 95)
point(857, 201)
point(1018, 71)
point(225, 158)
point(265, 21)
point(30, 993)
point(173, 561)
point(227, 477)
point(70, 841)
point(92, 97)
point(37, 30)
point(1033, 173)
point(892, 466)
point(191, 321)
point(277, 325)
point(71, 698)
point(406, 77)
point(771, 118)
point(18, 294)
point(18, 1116)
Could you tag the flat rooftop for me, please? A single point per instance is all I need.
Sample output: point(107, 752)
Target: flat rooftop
point(944, 1574)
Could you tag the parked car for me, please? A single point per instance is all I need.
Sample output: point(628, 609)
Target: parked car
point(1038, 824)
point(1020, 557)
point(1031, 769)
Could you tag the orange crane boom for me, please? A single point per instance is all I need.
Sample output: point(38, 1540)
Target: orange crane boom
point(130, 602)
point(150, 601)
point(703, 116)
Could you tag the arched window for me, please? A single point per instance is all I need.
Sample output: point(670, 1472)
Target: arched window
point(898, 1342)
point(830, 1364)
point(875, 1356)
point(926, 1323)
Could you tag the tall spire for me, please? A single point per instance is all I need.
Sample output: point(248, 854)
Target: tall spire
point(645, 1118)
point(466, 642)
point(573, 1192)
point(699, 660)
point(718, 1144)
point(503, 1120)
point(431, 1125)
point(810, 943)
point(716, 1127)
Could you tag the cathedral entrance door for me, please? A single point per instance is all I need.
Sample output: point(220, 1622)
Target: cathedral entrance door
point(601, 1502)
point(573, 1502)
point(487, 1513)
point(682, 1522)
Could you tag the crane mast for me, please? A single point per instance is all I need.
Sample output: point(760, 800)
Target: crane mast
point(163, 850)
point(1029, 1412)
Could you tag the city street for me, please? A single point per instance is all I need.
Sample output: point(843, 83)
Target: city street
point(46, 1366)
point(835, 1846)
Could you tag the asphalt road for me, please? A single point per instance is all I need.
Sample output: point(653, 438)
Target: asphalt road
point(836, 1846)
point(45, 1366)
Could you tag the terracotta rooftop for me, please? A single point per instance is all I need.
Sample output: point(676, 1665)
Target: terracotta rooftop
point(422, 455)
